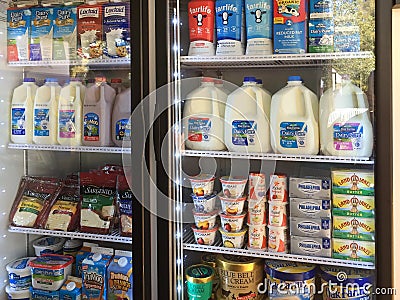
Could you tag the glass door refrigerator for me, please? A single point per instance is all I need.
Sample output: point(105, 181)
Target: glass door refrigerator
point(252, 212)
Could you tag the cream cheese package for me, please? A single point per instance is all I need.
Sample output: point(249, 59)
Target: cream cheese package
point(353, 182)
point(353, 250)
point(307, 188)
point(310, 208)
point(311, 246)
point(41, 39)
point(353, 206)
point(120, 276)
point(354, 228)
point(311, 227)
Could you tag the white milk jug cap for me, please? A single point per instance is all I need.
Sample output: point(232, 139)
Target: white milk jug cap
point(97, 256)
point(122, 262)
point(71, 286)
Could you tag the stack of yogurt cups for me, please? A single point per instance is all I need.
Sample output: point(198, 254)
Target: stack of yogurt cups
point(232, 215)
point(257, 213)
point(277, 214)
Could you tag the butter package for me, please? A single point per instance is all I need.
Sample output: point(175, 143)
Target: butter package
point(18, 28)
point(81, 255)
point(306, 188)
point(321, 35)
point(120, 276)
point(41, 39)
point(353, 250)
point(311, 246)
point(37, 294)
point(310, 208)
point(353, 182)
point(353, 206)
point(310, 227)
point(65, 33)
point(354, 228)
point(72, 289)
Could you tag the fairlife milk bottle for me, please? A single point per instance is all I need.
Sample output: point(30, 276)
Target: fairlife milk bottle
point(246, 119)
point(45, 113)
point(345, 124)
point(294, 119)
point(204, 117)
point(22, 112)
point(70, 113)
point(121, 123)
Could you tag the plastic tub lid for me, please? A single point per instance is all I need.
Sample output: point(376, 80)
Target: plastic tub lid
point(48, 242)
point(19, 265)
point(294, 78)
point(22, 294)
point(290, 271)
point(249, 79)
point(29, 79)
point(51, 261)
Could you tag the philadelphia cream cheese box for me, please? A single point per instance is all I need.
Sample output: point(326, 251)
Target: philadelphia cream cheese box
point(309, 188)
point(353, 182)
point(354, 228)
point(310, 227)
point(353, 250)
point(353, 205)
point(311, 246)
point(310, 208)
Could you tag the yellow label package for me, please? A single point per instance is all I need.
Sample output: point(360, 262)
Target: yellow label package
point(353, 206)
point(353, 182)
point(353, 250)
point(354, 228)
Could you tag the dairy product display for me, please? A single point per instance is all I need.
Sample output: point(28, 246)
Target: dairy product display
point(90, 31)
point(65, 33)
point(18, 31)
point(41, 38)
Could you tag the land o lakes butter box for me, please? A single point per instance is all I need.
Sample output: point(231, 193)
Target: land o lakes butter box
point(353, 182)
point(354, 228)
point(353, 206)
point(353, 250)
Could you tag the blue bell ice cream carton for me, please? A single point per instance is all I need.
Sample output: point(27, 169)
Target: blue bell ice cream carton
point(41, 39)
point(64, 33)
point(18, 28)
point(120, 276)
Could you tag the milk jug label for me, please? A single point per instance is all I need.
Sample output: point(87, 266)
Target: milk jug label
point(347, 136)
point(122, 130)
point(199, 129)
point(67, 123)
point(91, 127)
point(244, 132)
point(41, 122)
point(18, 121)
point(293, 134)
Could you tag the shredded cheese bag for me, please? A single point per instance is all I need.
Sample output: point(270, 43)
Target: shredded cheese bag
point(124, 200)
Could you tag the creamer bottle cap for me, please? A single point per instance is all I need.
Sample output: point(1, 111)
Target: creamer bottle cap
point(122, 262)
point(71, 286)
point(97, 256)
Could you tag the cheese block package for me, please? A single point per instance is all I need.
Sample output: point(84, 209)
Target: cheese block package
point(64, 214)
point(98, 195)
point(124, 200)
point(33, 201)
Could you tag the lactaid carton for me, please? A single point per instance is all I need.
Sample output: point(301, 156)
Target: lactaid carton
point(90, 31)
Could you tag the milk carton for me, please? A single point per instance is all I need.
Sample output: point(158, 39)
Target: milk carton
point(37, 294)
point(321, 9)
point(18, 28)
point(81, 255)
point(90, 31)
point(290, 26)
point(116, 29)
point(64, 33)
point(120, 277)
point(41, 40)
point(320, 35)
point(72, 289)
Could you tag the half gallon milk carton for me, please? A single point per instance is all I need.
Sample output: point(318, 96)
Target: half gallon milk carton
point(321, 26)
point(120, 276)
point(290, 26)
point(116, 29)
point(18, 28)
point(229, 23)
point(201, 27)
point(41, 41)
point(259, 27)
point(81, 255)
point(65, 33)
point(72, 289)
point(90, 31)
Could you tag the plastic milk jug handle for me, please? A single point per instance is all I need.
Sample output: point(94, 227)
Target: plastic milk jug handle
point(215, 102)
point(77, 93)
point(308, 106)
point(259, 101)
point(52, 93)
point(362, 104)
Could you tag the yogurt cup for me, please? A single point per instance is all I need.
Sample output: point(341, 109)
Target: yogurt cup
point(233, 187)
point(232, 223)
point(204, 204)
point(205, 220)
point(204, 236)
point(202, 184)
point(278, 188)
point(257, 186)
point(277, 239)
point(19, 274)
point(233, 239)
point(277, 214)
point(48, 245)
point(257, 237)
point(232, 206)
point(22, 295)
point(257, 213)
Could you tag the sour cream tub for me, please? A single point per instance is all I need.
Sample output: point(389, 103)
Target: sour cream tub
point(233, 239)
point(277, 214)
point(205, 204)
point(257, 213)
point(202, 184)
point(205, 220)
point(257, 237)
point(48, 245)
point(21, 295)
point(233, 187)
point(277, 239)
point(19, 274)
point(204, 236)
point(232, 223)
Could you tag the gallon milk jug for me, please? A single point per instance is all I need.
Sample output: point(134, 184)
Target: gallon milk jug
point(219, 84)
point(120, 126)
point(246, 119)
point(294, 119)
point(70, 113)
point(345, 124)
point(261, 86)
point(22, 112)
point(97, 109)
point(116, 84)
point(203, 117)
point(45, 113)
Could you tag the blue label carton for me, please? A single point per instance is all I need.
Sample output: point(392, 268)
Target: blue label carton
point(18, 28)
point(81, 255)
point(37, 294)
point(321, 9)
point(41, 40)
point(64, 33)
point(71, 289)
point(120, 276)
point(320, 35)
point(347, 39)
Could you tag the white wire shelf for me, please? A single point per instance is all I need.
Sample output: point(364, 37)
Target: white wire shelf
point(190, 244)
point(280, 157)
point(113, 237)
point(276, 60)
point(70, 148)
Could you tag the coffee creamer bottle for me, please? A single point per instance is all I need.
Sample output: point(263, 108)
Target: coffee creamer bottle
point(121, 124)
point(294, 119)
point(22, 112)
point(345, 125)
point(70, 113)
point(247, 118)
point(45, 114)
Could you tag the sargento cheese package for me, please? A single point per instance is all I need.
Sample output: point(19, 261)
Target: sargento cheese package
point(98, 197)
point(124, 201)
point(33, 201)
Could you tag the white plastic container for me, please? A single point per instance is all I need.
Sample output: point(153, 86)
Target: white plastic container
point(97, 110)
point(21, 295)
point(247, 119)
point(69, 128)
point(204, 236)
point(233, 239)
point(48, 245)
point(22, 112)
point(45, 114)
point(203, 117)
point(19, 274)
point(345, 125)
point(121, 124)
point(294, 119)
point(232, 223)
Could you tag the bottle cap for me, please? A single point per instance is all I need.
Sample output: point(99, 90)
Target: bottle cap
point(97, 256)
point(71, 286)
point(207, 79)
point(29, 79)
point(122, 262)
point(259, 81)
point(250, 79)
point(116, 80)
point(51, 80)
point(295, 78)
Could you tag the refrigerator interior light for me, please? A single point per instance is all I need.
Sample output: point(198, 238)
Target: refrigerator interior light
point(178, 207)
point(178, 261)
point(175, 20)
point(179, 287)
point(176, 48)
point(176, 74)
point(178, 235)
